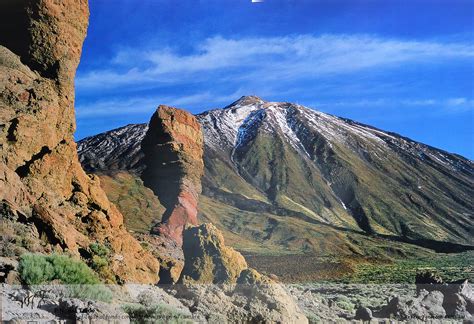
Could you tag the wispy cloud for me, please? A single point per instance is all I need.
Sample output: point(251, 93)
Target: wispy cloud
point(271, 58)
point(438, 106)
point(147, 104)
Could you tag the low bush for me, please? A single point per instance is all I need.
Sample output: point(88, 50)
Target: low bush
point(99, 250)
point(82, 282)
point(450, 267)
point(157, 313)
point(36, 269)
point(345, 303)
point(313, 318)
point(100, 262)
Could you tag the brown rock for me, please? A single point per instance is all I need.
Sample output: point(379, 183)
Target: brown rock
point(207, 259)
point(167, 251)
point(39, 170)
point(173, 149)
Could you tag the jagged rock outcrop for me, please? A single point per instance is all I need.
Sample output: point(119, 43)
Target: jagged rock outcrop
point(425, 305)
point(216, 281)
point(434, 299)
point(173, 150)
point(207, 259)
point(40, 175)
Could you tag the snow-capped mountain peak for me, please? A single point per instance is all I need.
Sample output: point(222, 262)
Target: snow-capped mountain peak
point(290, 160)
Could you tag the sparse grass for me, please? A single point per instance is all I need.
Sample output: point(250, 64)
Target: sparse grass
point(17, 238)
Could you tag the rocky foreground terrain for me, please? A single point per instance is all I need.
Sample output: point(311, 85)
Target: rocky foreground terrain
point(453, 303)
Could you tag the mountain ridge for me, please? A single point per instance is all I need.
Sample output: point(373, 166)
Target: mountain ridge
point(286, 159)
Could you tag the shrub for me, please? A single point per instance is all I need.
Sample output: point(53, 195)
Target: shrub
point(344, 303)
point(146, 298)
point(313, 318)
point(99, 250)
point(100, 262)
point(36, 269)
point(157, 313)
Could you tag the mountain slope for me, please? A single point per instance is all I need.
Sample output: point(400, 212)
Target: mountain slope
point(283, 177)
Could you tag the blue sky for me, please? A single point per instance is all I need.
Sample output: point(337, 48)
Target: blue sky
point(403, 66)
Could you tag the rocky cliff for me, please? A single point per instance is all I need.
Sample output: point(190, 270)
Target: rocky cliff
point(41, 180)
point(173, 149)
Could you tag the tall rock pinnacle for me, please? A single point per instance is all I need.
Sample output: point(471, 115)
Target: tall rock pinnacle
point(40, 175)
point(173, 148)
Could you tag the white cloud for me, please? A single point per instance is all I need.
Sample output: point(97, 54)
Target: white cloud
point(272, 58)
point(447, 105)
point(147, 104)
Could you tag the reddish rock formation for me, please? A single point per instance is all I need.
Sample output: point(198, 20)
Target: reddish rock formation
point(40, 174)
point(173, 149)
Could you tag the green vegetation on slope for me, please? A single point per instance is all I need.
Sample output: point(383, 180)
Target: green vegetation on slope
point(450, 267)
point(138, 203)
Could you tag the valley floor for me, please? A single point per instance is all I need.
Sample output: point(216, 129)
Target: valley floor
point(300, 268)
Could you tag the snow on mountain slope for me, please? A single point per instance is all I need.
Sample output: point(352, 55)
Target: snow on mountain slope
point(228, 128)
point(285, 160)
point(115, 149)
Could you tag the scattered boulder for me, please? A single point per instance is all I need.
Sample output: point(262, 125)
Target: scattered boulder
point(459, 299)
point(8, 273)
point(169, 254)
point(207, 259)
point(252, 277)
point(217, 284)
point(428, 280)
point(264, 303)
point(91, 312)
point(426, 305)
point(432, 305)
point(438, 300)
point(363, 314)
point(173, 150)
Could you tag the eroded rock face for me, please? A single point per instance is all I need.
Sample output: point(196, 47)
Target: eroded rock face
point(173, 149)
point(425, 305)
point(251, 298)
point(39, 170)
point(207, 259)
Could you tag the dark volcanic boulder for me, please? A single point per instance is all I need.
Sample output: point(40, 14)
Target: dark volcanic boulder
point(363, 314)
point(173, 150)
point(428, 281)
